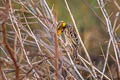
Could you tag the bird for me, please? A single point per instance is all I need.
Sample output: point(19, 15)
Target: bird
point(71, 36)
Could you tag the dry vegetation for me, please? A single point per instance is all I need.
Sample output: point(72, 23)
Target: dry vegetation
point(30, 48)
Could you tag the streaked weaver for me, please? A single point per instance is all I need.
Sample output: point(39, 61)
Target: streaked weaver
point(70, 34)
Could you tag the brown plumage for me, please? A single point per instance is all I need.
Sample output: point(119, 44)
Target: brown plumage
point(71, 37)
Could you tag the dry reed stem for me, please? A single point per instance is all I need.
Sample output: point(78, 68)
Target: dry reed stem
point(6, 44)
point(56, 56)
point(10, 51)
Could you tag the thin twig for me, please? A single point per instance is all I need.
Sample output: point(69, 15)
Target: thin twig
point(10, 51)
point(57, 56)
